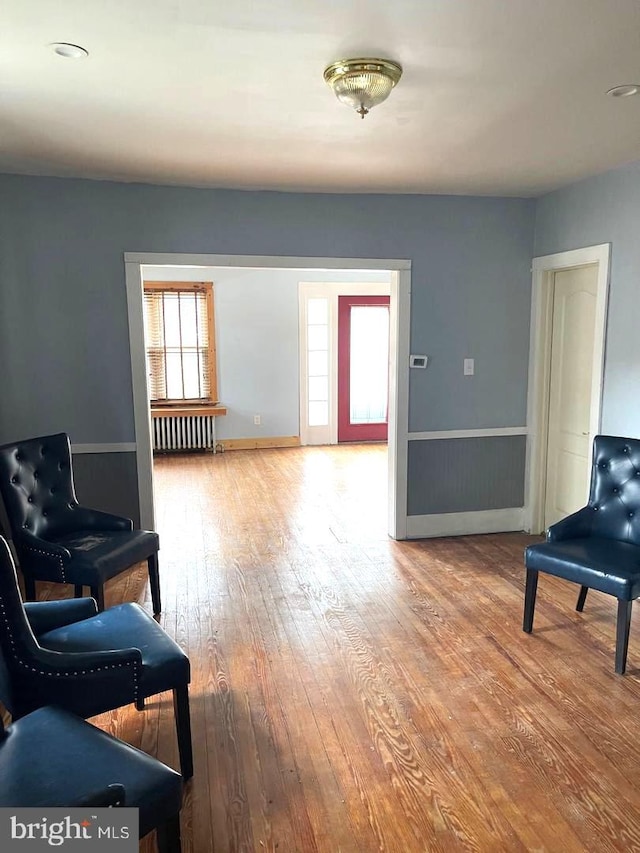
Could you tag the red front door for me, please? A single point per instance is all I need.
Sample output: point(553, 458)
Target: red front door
point(363, 368)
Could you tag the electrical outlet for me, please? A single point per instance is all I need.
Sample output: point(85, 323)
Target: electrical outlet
point(469, 367)
point(257, 420)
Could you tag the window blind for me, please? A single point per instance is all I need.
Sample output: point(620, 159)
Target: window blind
point(177, 344)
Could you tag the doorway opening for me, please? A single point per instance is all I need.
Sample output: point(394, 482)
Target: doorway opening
point(566, 371)
point(399, 312)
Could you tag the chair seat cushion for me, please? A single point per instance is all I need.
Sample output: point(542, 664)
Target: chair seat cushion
point(603, 564)
point(164, 664)
point(97, 555)
point(51, 758)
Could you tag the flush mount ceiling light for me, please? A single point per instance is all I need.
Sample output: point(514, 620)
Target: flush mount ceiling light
point(362, 83)
point(69, 51)
point(624, 91)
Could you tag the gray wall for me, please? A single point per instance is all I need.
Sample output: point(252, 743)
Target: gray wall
point(257, 350)
point(63, 325)
point(107, 481)
point(466, 474)
point(606, 209)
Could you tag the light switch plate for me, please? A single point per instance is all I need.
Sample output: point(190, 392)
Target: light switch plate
point(469, 366)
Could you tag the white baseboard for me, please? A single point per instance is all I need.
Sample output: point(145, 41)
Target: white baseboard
point(465, 523)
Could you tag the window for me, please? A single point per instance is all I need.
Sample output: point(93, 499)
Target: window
point(318, 361)
point(369, 364)
point(180, 341)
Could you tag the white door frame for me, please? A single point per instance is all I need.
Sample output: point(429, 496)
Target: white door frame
point(399, 321)
point(330, 290)
point(544, 269)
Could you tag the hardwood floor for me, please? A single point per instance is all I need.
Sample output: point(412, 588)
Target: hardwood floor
point(351, 693)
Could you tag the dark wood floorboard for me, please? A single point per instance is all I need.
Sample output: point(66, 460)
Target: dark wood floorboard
point(351, 693)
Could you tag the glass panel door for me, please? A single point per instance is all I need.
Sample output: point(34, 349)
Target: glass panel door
point(363, 368)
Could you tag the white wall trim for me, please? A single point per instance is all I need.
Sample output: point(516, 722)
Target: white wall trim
point(141, 406)
point(399, 345)
point(125, 447)
point(173, 259)
point(543, 269)
point(398, 430)
point(466, 433)
point(464, 523)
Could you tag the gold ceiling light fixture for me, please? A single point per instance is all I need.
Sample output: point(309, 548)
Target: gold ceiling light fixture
point(362, 83)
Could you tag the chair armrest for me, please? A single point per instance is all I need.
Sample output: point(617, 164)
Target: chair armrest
point(85, 518)
point(85, 683)
point(25, 540)
point(69, 664)
point(48, 559)
point(575, 526)
point(111, 795)
point(45, 616)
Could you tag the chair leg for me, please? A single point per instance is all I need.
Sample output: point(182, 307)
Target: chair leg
point(530, 600)
point(168, 836)
point(78, 590)
point(140, 704)
point(154, 581)
point(183, 729)
point(582, 597)
point(622, 634)
point(97, 592)
point(29, 588)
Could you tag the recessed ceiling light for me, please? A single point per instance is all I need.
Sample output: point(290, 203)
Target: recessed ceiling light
point(69, 51)
point(624, 91)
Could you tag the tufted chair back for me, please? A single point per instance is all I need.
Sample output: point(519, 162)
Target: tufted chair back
point(615, 489)
point(36, 484)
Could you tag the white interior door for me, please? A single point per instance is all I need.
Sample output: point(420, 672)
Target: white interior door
point(572, 347)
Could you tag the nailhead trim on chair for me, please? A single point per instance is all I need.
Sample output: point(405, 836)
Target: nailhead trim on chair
point(50, 557)
point(89, 671)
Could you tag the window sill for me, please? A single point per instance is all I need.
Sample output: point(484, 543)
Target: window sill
point(215, 409)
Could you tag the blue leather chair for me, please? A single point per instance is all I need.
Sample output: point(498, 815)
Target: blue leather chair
point(52, 759)
point(64, 653)
point(598, 547)
point(55, 538)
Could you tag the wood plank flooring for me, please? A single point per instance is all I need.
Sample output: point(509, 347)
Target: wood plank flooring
point(351, 693)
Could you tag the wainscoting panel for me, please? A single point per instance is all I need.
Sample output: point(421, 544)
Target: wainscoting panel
point(457, 475)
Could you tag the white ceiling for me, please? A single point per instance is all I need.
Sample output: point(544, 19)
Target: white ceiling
point(498, 97)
